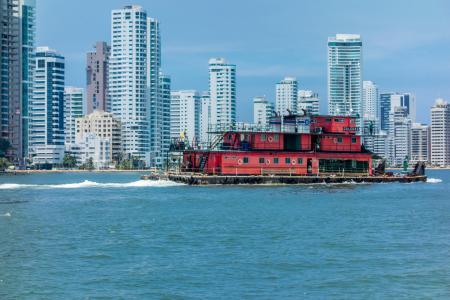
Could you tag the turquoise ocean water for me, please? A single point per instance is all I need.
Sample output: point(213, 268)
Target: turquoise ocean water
point(109, 235)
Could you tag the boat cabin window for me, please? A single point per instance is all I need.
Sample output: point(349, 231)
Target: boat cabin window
point(328, 120)
point(261, 160)
point(263, 137)
point(353, 140)
point(275, 137)
point(287, 160)
point(339, 140)
point(230, 137)
point(300, 161)
point(245, 160)
point(275, 160)
point(338, 120)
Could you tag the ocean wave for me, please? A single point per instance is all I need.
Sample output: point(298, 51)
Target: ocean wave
point(91, 184)
point(434, 180)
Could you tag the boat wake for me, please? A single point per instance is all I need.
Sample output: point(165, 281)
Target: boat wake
point(434, 180)
point(91, 184)
point(6, 215)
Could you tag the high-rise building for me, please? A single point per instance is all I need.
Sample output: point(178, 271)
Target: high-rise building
point(262, 111)
point(399, 136)
point(385, 109)
point(286, 96)
point(344, 75)
point(46, 111)
point(185, 108)
point(17, 24)
point(309, 101)
point(134, 84)
point(370, 102)
point(102, 124)
point(420, 143)
point(440, 133)
point(73, 108)
point(97, 63)
point(222, 92)
point(160, 137)
point(205, 117)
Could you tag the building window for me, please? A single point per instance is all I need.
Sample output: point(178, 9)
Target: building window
point(261, 160)
point(300, 161)
point(245, 160)
point(275, 160)
point(287, 160)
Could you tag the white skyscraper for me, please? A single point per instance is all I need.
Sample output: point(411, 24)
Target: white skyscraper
point(262, 111)
point(222, 92)
point(74, 107)
point(440, 133)
point(344, 75)
point(286, 96)
point(399, 136)
point(46, 117)
point(420, 143)
point(309, 101)
point(185, 108)
point(205, 117)
point(134, 84)
point(370, 102)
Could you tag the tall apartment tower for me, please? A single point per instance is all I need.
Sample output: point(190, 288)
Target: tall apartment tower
point(134, 84)
point(205, 117)
point(17, 24)
point(370, 102)
point(385, 109)
point(222, 92)
point(46, 117)
point(420, 143)
point(399, 136)
point(309, 101)
point(286, 96)
point(262, 111)
point(345, 75)
point(185, 106)
point(74, 108)
point(97, 63)
point(440, 133)
point(160, 133)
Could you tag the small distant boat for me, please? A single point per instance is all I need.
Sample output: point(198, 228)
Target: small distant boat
point(154, 176)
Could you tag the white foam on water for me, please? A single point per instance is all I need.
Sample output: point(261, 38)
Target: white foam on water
point(92, 184)
point(9, 186)
point(6, 215)
point(434, 180)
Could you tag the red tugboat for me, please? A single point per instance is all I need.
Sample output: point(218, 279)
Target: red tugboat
point(293, 149)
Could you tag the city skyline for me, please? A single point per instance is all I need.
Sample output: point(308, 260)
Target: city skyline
point(265, 55)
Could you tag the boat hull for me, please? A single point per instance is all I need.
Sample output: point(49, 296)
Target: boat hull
point(198, 179)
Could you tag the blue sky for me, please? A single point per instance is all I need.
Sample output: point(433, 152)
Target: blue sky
point(406, 43)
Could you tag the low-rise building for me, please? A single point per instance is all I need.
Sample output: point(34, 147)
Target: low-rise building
point(103, 125)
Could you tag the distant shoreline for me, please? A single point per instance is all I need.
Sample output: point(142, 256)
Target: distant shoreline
point(12, 172)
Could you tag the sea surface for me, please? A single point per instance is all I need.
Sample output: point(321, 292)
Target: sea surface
point(112, 236)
